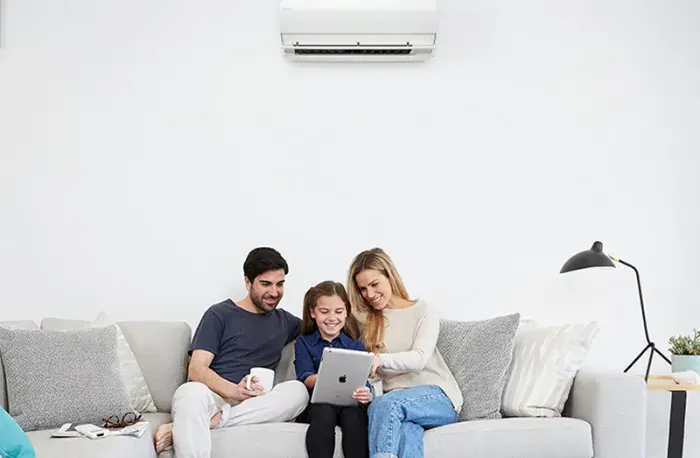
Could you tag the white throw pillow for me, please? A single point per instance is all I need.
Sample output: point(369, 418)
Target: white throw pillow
point(545, 361)
point(136, 387)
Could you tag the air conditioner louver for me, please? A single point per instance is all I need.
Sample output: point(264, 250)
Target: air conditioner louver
point(351, 51)
point(358, 30)
point(358, 49)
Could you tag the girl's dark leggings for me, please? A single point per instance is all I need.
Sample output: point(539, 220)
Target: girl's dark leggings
point(322, 420)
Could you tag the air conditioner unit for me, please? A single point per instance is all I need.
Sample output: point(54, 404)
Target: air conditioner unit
point(358, 30)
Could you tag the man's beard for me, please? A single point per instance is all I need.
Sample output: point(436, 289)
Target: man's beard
point(262, 306)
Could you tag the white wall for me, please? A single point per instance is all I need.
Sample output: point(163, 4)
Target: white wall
point(145, 147)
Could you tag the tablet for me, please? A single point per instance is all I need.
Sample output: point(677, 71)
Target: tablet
point(341, 372)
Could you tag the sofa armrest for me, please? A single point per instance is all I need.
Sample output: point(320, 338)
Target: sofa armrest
point(615, 406)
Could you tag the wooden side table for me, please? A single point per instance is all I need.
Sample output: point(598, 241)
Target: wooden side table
point(679, 394)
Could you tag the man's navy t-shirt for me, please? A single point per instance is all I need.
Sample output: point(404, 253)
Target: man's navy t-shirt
point(241, 340)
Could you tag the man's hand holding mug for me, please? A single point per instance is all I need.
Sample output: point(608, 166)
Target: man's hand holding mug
point(247, 388)
point(259, 381)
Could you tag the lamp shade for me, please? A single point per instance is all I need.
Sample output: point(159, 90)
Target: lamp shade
point(588, 258)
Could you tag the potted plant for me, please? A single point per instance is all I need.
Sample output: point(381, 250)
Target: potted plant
point(685, 352)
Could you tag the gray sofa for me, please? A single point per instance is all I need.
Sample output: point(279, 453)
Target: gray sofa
point(605, 416)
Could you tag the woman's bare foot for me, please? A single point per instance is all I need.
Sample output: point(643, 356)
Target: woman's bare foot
point(163, 437)
point(215, 420)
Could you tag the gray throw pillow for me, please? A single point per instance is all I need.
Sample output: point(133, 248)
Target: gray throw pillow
point(24, 324)
point(56, 377)
point(479, 353)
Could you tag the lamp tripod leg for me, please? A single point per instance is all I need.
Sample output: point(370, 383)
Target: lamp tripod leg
point(651, 356)
point(662, 355)
point(638, 356)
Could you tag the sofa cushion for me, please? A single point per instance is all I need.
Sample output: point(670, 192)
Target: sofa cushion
point(109, 447)
point(82, 447)
point(545, 361)
point(512, 438)
point(160, 347)
point(136, 386)
point(478, 354)
point(24, 324)
point(157, 419)
point(508, 437)
point(58, 376)
point(254, 440)
point(285, 368)
point(161, 350)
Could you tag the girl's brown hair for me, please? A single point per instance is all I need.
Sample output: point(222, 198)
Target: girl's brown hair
point(372, 319)
point(327, 289)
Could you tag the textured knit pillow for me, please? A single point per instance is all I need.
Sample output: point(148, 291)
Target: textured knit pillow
point(478, 353)
point(545, 361)
point(136, 387)
point(26, 324)
point(56, 377)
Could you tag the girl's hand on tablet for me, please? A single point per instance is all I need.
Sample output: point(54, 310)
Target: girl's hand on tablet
point(362, 395)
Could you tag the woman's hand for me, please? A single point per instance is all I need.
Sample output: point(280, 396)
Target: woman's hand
point(376, 364)
point(362, 395)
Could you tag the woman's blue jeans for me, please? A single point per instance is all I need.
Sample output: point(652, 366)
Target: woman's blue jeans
point(397, 420)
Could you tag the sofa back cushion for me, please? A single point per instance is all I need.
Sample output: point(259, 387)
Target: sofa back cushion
point(160, 347)
point(285, 368)
point(25, 324)
point(545, 362)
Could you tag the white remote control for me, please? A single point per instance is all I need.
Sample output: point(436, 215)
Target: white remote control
point(64, 431)
point(92, 431)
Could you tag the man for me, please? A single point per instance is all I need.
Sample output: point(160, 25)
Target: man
point(231, 339)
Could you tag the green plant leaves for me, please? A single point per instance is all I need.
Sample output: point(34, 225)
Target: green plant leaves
point(685, 345)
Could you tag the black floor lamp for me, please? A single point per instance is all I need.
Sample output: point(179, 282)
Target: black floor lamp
point(596, 258)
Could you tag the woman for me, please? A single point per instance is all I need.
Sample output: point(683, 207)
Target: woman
point(420, 392)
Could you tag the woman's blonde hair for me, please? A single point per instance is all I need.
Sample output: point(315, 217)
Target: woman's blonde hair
point(372, 333)
point(327, 289)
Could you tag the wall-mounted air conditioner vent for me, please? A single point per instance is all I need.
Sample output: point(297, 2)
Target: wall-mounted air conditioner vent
point(358, 30)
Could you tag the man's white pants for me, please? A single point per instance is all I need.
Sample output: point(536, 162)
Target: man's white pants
point(194, 404)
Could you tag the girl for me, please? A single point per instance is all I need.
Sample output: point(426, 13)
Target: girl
point(420, 392)
point(327, 321)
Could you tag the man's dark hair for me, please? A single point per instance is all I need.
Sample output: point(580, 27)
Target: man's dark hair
point(261, 260)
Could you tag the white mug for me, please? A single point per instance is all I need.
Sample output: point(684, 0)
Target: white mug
point(266, 378)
